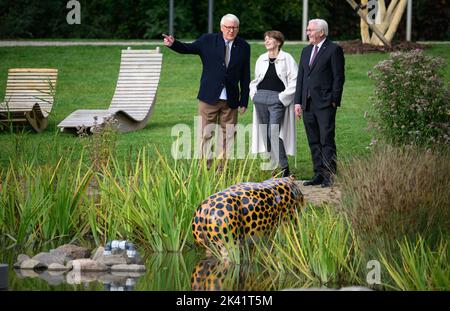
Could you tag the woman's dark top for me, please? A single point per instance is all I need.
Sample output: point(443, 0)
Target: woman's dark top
point(271, 81)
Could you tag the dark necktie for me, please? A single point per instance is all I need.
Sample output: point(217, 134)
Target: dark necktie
point(316, 49)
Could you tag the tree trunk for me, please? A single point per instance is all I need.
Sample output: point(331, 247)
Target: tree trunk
point(356, 7)
point(390, 19)
point(396, 18)
point(365, 35)
point(383, 26)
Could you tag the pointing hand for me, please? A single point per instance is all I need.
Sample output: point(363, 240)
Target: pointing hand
point(168, 40)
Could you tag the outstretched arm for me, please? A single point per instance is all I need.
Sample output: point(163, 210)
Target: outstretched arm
point(181, 47)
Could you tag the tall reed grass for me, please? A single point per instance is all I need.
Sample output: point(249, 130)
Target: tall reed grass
point(395, 209)
point(151, 201)
point(419, 267)
point(318, 246)
point(397, 191)
point(40, 203)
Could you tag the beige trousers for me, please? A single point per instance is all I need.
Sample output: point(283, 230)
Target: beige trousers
point(211, 115)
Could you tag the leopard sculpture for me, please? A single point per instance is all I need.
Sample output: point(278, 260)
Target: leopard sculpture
point(246, 210)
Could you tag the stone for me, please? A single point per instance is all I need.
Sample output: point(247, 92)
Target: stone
point(57, 267)
point(137, 259)
point(128, 268)
point(98, 253)
point(128, 274)
point(32, 264)
point(48, 258)
point(78, 277)
point(109, 278)
point(111, 260)
point(117, 257)
point(57, 272)
point(21, 258)
point(87, 265)
point(27, 273)
point(72, 251)
point(51, 279)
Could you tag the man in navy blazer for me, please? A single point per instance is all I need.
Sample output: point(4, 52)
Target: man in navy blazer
point(224, 84)
point(320, 83)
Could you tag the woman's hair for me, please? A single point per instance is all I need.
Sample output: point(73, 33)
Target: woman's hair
point(277, 35)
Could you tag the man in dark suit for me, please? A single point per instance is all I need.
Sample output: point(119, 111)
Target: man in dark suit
point(318, 93)
point(224, 84)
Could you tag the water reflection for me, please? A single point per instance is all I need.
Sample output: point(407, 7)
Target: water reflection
point(113, 281)
point(168, 272)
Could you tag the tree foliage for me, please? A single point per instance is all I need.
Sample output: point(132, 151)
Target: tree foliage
point(147, 19)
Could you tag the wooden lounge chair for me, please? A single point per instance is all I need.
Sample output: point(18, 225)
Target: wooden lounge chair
point(28, 98)
point(133, 99)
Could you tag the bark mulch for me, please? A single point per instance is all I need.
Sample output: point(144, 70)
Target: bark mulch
point(357, 47)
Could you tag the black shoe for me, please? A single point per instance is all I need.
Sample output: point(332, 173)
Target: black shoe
point(285, 172)
point(316, 180)
point(326, 184)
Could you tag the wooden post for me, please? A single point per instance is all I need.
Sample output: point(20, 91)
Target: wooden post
point(374, 28)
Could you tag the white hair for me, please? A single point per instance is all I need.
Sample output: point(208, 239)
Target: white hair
point(322, 24)
point(231, 18)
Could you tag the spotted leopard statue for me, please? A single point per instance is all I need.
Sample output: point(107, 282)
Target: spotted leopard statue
point(212, 274)
point(246, 210)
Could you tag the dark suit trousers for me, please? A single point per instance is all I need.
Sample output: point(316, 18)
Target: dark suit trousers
point(320, 129)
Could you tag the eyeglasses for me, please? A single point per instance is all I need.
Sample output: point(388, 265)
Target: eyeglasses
point(311, 30)
point(229, 28)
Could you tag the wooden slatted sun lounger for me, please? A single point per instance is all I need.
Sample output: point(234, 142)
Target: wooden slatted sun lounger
point(29, 97)
point(133, 99)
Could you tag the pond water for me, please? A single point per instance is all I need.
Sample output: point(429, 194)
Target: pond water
point(165, 272)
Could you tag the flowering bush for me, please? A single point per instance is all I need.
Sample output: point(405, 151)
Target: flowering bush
point(411, 99)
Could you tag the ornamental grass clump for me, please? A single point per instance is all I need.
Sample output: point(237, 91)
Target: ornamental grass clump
point(411, 99)
point(396, 192)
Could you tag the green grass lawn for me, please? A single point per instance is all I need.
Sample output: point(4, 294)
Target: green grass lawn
point(87, 78)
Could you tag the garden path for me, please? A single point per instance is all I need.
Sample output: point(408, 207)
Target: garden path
point(317, 195)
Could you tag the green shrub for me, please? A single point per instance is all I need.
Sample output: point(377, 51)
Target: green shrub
point(397, 192)
point(411, 100)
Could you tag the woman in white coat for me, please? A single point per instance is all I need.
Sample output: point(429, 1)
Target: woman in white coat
point(272, 92)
